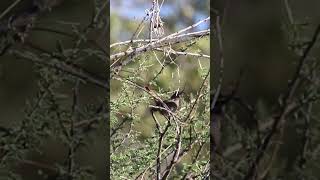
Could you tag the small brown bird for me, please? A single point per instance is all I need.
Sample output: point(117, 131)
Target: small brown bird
point(172, 104)
point(22, 23)
point(217, 115)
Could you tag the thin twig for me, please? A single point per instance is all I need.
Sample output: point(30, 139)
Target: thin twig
point(9, 8)
point(70, 69)
point(289, 12)
point(221, 62)
point(132, 41)
point(176, 154)
point(74, 112)
point(198, 96)
point(185, 53)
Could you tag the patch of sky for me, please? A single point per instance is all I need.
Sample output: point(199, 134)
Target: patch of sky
point(136, 10)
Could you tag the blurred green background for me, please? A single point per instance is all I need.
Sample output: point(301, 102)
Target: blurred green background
point(258, 40)
point(19, 85)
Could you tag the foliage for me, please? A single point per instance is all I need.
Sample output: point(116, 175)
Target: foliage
point(269, 120)
point(58, 114)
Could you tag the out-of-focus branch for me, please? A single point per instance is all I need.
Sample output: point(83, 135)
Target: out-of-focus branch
point(9, 8)
point(71, 69)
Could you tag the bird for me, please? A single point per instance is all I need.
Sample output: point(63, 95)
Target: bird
point(218, 114)
point(171, 104)
point(22, 23)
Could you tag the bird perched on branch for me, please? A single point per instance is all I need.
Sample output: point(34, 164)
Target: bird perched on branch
point(217, 113)
point(172, 104)
point(21, 24)
point(168, 106)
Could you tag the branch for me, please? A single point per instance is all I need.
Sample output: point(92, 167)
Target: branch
point(132, 41)
point(71, 69)
point(176, 155)
point(184, 53)
point(9, 8)
point(221, 62)
point(170, 39)
point(158, 43)
point(198, 96)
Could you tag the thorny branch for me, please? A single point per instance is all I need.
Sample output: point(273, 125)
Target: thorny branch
point(165, 41)
point(156, 44)
point(53, 60)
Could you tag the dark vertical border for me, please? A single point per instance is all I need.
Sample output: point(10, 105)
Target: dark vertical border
point(212, 65)
point(216, 78)
point(108, 94)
